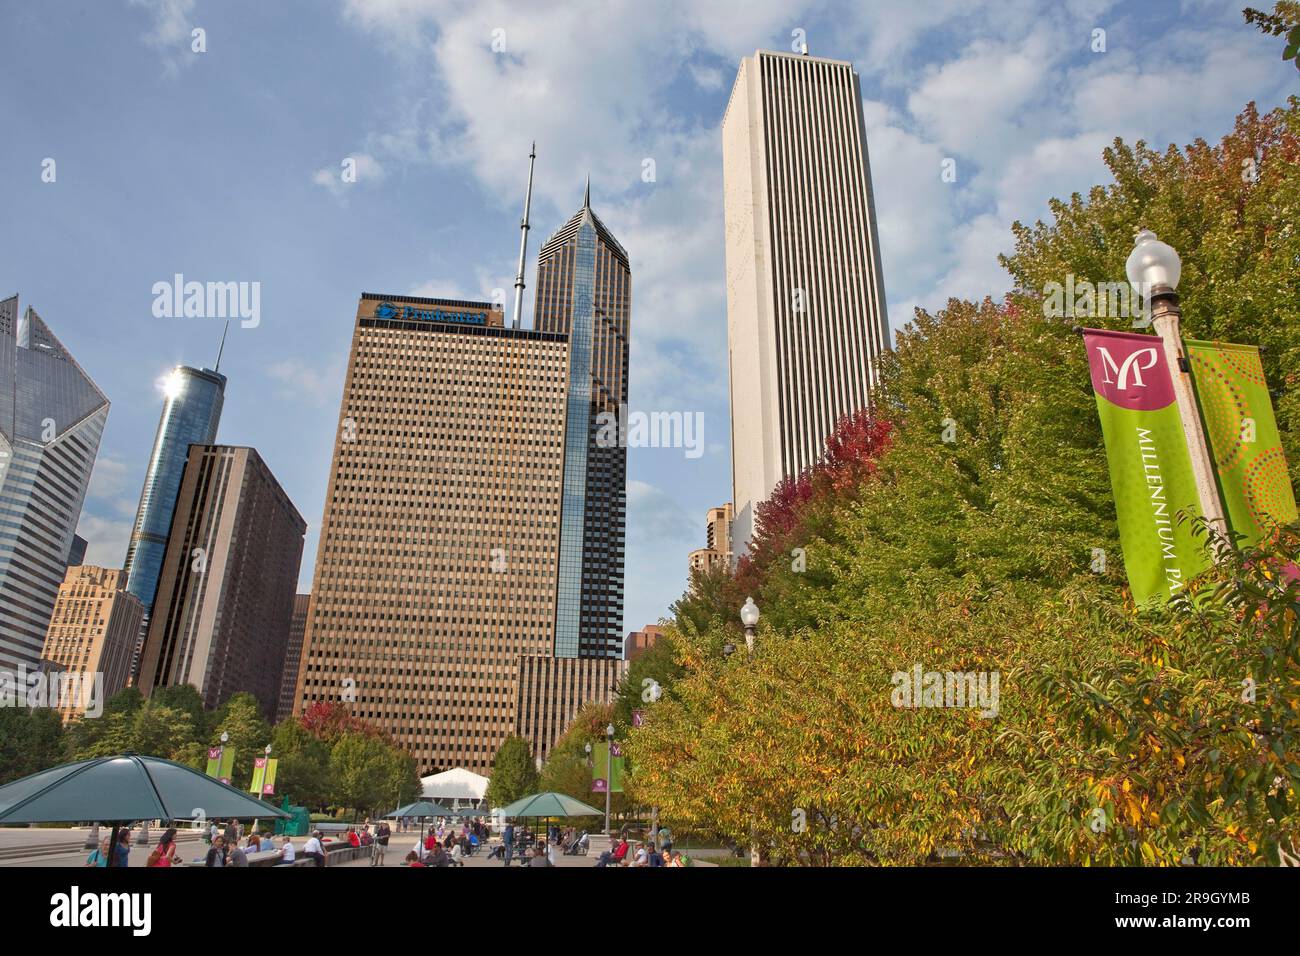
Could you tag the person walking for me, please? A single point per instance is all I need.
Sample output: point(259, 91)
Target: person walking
point(382, 833)
point(164, 854)
point(121, 854)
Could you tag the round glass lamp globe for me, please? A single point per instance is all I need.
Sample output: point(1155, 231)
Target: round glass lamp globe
point(1152, 263)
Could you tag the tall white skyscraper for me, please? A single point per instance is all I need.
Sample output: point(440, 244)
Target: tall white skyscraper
point(806, 317)
point(51, 419)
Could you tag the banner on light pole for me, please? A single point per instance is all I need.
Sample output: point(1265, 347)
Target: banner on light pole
point(1150, 468)
point(1243, 437)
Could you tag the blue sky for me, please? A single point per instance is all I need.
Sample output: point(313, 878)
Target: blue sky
point(224, 165)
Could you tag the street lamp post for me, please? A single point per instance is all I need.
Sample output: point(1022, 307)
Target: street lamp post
point(749, 618)
point(1153, 269)
point(609, 771)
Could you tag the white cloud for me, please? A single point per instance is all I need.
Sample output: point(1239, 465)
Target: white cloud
point(106, 539)
point(170, 29)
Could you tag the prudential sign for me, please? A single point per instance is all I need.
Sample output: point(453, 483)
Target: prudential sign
point(406, 313)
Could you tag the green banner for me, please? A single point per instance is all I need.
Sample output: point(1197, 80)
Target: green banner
point(1150, 469)
point(221, 761)
point(601, 765)
point(1243, 437)
point(263, 781)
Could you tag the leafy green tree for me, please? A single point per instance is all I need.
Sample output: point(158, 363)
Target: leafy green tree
point(31, 740)
point(514, 774)
point(360, 772)
point(161, 731)
point(302, 770)
point(185, 698)
point(109, 733)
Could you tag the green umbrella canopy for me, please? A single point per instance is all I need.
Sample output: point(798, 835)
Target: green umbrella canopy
point(421, 808)
point(123, 788)
point(550, 805)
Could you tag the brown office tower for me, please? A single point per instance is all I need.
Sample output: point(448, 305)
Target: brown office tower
point(552, 690)
point(93, 631)
point(638, 642)
point(436, 568)
point(293, 656)
point(584, 290)
point(225, 597)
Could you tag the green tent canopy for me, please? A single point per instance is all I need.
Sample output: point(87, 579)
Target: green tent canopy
point(550, 805)
point(124, 788)
point(421, 808)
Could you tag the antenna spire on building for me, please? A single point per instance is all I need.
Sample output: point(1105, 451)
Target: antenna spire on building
point(586, 195)
point(523, 238)
point(222, 349)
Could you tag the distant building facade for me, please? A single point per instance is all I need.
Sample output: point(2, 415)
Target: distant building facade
point(93, 629)
point(638, 642)
point(52, 417)
point(293, 655)
point(717, 533)
point(229, 577)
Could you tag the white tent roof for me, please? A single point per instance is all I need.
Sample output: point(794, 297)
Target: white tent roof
point(455, 784)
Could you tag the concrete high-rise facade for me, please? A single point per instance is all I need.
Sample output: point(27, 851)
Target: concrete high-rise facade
point(806, 315)
point(93, 630)
point(436, 569)
point(584, 291)
point(191, 412)
point(229, 577)
point(293, 655)
point(52, 417)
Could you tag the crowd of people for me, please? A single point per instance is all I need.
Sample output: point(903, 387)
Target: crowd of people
point(444, 845)
point(654, 852)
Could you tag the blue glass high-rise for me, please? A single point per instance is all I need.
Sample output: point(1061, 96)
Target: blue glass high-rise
point(190, 416)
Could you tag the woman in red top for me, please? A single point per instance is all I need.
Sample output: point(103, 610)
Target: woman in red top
point(164, 853)
point(353, 838)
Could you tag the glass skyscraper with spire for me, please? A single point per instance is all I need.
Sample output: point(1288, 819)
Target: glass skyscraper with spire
point(190, 416)
point(584, 290)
